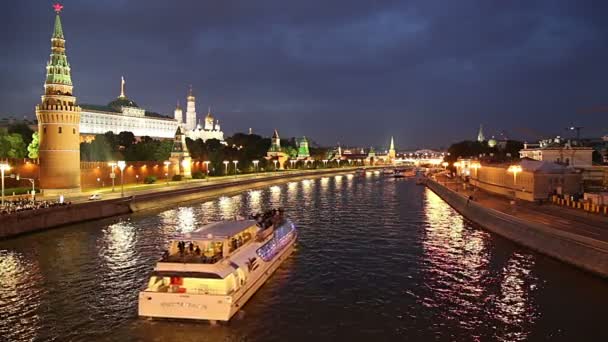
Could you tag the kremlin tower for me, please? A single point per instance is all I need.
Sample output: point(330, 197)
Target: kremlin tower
point(392, 154)
point(178, 114)
point(59, 122)
point(191, 112)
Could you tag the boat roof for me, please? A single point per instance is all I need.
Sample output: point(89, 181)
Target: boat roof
point(221, 229)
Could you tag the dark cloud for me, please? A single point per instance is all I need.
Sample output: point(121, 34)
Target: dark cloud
point(427, 72)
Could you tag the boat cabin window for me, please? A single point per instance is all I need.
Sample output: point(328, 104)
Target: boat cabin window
point(240, 239)
point(187, 251)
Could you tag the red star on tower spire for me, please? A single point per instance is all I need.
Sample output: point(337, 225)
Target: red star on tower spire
point(57, 7)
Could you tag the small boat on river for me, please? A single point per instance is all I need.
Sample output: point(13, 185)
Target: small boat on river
point(210, 274)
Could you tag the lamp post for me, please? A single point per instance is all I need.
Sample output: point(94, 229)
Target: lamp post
point(275, 164)
point(3, 167)
point(98, 182)
point(136, 179)
point(167, 163)
point(207, 168)
point(226, 165)
point(112, 165)
point(514, 169)
point(476, 166)
point(235, 169)
point(255, 164)
point(121, 166)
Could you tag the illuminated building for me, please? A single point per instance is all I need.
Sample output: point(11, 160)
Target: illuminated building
point(124, 115)
point(480, 136)
point(392, 154)
point(190, 111)
point(180, 157)
point(59, 122)
point(275, 152)
point(303, 152)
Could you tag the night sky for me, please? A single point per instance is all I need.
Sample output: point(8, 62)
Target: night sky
point(427, 72)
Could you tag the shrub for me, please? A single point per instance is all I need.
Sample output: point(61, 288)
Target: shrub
point(198, 175)
point(150, 180)
point(176, 178)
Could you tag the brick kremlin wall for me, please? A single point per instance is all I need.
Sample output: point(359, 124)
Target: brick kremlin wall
point(97, 174)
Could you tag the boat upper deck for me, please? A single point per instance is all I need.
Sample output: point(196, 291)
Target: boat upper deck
point(217, 230)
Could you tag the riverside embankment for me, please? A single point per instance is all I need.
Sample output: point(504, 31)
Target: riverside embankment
point(134, 201)
point(586, 252)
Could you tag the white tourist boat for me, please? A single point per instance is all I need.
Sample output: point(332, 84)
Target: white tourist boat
point(210, 274)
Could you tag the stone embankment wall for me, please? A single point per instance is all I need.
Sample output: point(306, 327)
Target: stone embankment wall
point(166, 199)
point(38, 220)
point(41, 219)
point(586, 253)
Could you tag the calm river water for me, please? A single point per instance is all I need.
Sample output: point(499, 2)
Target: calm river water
point(378, 259)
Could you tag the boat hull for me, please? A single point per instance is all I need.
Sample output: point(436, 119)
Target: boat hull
point(206, 306)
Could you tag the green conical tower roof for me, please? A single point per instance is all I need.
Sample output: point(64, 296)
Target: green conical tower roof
point(58, 68)
point(58, 32)
point(303, 151)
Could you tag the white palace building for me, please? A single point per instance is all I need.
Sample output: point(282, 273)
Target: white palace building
point(123, 114)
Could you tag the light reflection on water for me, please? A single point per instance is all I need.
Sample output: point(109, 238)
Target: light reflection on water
point(19, 283)
point(377, 258)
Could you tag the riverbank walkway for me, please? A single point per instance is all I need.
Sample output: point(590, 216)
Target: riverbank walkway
point(109, 192)
point(569, 220)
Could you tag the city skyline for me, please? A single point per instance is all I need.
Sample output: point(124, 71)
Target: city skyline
point(355, 74)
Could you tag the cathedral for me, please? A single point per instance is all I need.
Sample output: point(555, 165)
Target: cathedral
point(210, 129)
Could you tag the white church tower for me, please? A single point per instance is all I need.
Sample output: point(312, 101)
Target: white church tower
point(191, 112)
point(178, 114)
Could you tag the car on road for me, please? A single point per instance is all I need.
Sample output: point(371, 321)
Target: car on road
point(94, 197)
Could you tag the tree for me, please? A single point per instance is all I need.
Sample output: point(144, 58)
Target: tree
point(33, 147)
point(12, 146)
point(112, 140)
point(101, 149)
point(126, 139)
point(163, 150)
point(22, 129)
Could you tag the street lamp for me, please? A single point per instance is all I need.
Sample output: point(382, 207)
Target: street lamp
point(112, 165)
point(226, 165)
point(476, 166)
point(121, 166)
point(235, 169)
point(207, 168)
point(255, 163)
point(4, 167)
point(98, 182)
point(167, 163)
point(514, 169)
point(136, 179)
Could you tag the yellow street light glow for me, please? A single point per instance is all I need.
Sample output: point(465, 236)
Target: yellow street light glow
point(514, 169)
point(121, 164)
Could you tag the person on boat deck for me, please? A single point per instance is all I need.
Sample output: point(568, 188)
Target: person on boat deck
point(197, 251)
point(191, 247)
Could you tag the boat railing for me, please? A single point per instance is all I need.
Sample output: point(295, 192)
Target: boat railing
point(187, 258)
